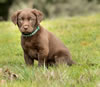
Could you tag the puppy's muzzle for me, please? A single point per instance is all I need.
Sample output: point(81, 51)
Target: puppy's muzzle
point(25, 27)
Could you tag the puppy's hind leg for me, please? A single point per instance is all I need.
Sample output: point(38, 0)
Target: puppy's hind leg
point(64, 60)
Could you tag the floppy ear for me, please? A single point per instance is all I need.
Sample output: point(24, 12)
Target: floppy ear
point(15, 16)
point(39, 15)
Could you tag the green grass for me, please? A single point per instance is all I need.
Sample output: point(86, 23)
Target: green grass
point(80, 34)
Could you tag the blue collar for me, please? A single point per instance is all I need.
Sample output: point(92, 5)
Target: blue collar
point(31, 34)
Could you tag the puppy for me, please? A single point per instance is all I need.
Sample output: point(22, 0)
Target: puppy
point(38, 43)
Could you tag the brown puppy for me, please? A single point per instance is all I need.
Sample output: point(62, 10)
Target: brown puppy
point(37, 42)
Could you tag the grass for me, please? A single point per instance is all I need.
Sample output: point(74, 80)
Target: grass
point(80, 34)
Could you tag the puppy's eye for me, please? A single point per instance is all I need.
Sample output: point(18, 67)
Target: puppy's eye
point(31, 19)
point(20, 20)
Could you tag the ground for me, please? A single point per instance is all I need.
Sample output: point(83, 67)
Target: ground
point(80, 34)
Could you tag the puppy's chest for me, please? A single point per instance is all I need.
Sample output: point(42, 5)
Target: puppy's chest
point(32, 48)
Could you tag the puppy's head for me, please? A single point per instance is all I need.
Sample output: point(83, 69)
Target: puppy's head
point(27, 20)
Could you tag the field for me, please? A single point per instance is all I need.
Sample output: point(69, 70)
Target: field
point(80, 34)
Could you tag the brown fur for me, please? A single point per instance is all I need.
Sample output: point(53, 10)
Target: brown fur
point(43, 46)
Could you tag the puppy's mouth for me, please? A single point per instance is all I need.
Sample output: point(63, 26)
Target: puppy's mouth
point(26, 33)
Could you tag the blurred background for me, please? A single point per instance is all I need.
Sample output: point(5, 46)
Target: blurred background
point(51, 8)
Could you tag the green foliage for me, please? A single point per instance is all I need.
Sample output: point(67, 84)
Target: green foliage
point(80, 34)
point(54, 8)
point(51, 8)
point(3, 1)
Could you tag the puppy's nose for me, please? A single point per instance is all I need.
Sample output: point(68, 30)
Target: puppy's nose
point(25, 27)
